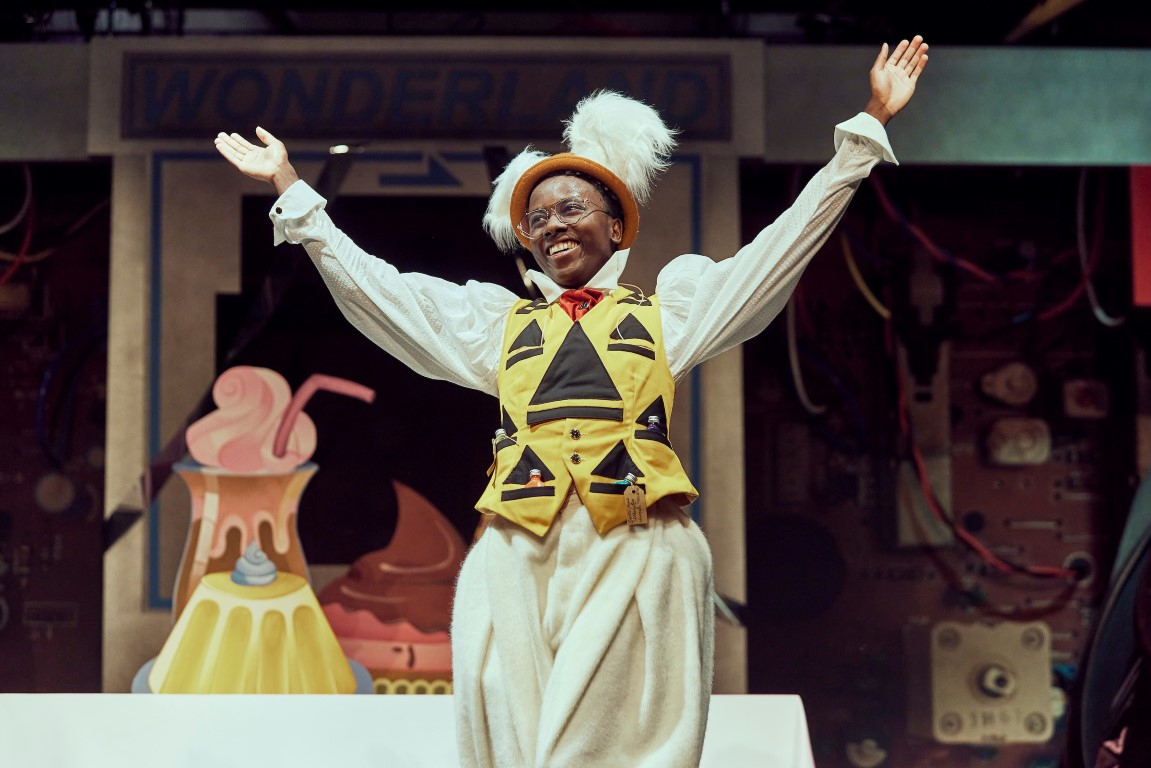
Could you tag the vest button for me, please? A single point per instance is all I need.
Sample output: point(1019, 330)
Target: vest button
point(575, 433)
point(575, 458)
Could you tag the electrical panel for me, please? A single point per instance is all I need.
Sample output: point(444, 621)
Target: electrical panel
point(929, 535)
point(53, 321)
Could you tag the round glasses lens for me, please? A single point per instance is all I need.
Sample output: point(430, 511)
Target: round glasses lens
point(569, 211)
point(534, 222)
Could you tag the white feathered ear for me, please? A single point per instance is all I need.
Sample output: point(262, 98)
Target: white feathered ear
point(624, 135)
point(497, 219)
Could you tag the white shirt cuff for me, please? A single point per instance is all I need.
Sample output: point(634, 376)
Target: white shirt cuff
point(869, 128)
point(297, 203)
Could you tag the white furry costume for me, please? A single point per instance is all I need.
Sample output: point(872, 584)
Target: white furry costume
point(584, 650)
point(579, 649)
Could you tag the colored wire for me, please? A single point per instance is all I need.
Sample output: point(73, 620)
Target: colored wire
point(1088, 257)
point(860, 283)
point(1068, 302)
point(1107, 320)
point(793, 363)
point(41, 411)
point(32, 258)
point(851, 402)
point(824, 427)
point(995, 561)
point(979, 600)
point(792, 341)
point(914, 230)
point(19, 216)
point(86, 344)
point(30, 220)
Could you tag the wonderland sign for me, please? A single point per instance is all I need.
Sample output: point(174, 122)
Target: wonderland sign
point(407, 96)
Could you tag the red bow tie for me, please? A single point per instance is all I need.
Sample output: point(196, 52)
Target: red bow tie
point(577, 302)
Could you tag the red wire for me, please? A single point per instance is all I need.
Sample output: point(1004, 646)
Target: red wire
point(1024, 275)
point(966, 536)
point(25, 244)
point(935, 251)
point(1092, 262)
point(924, 484)
point(1064, 305)
point(992, 559)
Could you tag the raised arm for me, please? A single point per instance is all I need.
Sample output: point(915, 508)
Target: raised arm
point(436, 328)
point(708, 306)
point(267, 163)
point(893, 78)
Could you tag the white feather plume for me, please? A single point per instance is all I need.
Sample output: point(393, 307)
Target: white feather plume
point(497, 222)
point(625, 135)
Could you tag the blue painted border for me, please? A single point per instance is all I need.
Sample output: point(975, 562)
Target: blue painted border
point(695, 166)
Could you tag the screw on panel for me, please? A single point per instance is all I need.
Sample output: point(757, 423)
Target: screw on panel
point(1035, 723)
point(950, 724)
point(1032, 639)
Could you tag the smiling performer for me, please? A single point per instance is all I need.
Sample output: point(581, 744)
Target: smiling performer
point(582, 621)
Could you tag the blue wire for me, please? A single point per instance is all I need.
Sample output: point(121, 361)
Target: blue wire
point(57, 457)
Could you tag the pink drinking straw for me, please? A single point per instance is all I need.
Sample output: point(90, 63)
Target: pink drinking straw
point(315, 383)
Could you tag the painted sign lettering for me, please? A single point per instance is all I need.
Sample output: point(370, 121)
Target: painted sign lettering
point(389, 97)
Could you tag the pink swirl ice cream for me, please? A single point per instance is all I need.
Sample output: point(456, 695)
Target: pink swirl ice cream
point(258, 425)
point(252, 463)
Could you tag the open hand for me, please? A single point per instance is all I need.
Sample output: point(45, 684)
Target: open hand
point(267, 163)
point(893, 78)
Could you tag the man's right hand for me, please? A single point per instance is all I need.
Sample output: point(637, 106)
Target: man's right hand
point(893, 78)
point(268, 163)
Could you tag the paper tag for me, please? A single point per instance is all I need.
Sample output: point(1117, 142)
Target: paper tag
point(636, 501)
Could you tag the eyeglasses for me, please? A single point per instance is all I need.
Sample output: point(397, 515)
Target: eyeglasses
point(570, 211)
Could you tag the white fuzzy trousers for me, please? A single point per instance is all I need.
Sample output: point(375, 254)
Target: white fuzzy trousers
point(584, 650)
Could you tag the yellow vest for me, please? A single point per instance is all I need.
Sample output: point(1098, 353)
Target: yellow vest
point(585, 403)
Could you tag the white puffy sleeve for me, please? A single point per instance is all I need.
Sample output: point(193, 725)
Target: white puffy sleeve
point(437, 328)
point(711, 306)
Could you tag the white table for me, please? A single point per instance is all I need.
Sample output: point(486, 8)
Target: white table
point(171, 731)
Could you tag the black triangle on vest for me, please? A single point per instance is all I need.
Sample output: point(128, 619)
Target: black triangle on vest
point(655, 409)
point(531, 336)
point(631, 328)
point(575, 373)
point(507, 423)
point(522, 472)
point(617, 464)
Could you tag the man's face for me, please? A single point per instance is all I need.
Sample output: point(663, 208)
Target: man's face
point(571, 254)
